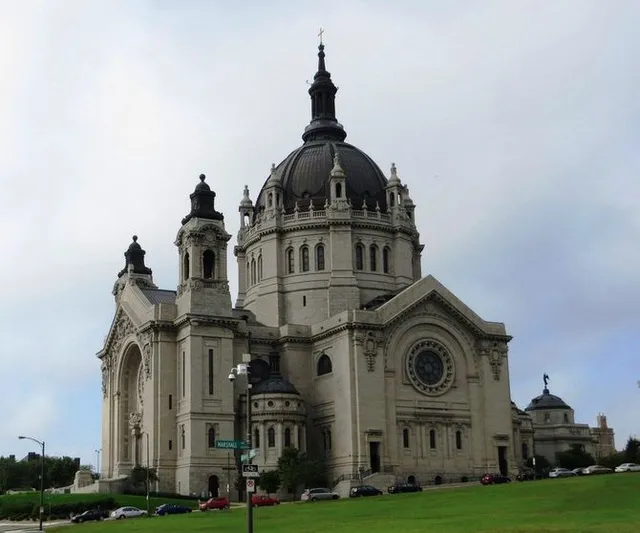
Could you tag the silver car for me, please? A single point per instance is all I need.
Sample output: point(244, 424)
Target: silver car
point(312, 495)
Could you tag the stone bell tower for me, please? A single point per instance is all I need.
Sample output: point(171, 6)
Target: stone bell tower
point(202, 247)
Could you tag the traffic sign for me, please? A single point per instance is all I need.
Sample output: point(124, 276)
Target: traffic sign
point(231, 444)
point(249, 455)
point(251, 485)
point(250, 471)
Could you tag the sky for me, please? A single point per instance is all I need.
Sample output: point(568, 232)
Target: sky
point(514, 124)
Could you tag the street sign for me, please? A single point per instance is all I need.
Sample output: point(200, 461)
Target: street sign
point(249, 455)
point(250, 471)
point(231, 444)
point(251, 485)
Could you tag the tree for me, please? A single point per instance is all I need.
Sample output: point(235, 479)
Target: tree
point(542, 465)
point(574, 457)
point(269, 481)
point(632, 451)
point(297, 468)
point(138, 477)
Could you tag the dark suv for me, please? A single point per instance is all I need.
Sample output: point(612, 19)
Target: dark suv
point(364, 490)
point(403, 487)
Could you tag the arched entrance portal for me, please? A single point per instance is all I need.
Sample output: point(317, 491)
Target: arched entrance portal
point(214, 486)
point(131, 383)
point(411, 480)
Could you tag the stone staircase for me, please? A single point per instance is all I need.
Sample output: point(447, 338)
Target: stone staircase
point(379, 480)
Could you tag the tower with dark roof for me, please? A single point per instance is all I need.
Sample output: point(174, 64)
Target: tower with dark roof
point(329, 232)
point(202, 250)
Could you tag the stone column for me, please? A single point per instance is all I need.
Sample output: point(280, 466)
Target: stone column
point(279, 438)
point(294, 437)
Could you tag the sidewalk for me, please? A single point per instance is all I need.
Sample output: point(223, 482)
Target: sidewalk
point(28, 526)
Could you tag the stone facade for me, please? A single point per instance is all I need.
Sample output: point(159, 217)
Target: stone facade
point(355, 357)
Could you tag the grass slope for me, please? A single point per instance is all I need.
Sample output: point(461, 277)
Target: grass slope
point(603, 504)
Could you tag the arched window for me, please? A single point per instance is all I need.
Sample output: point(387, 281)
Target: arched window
point(385, 259)
point(405, 438)
point(248, 274)
point(185, 266)
point(304, 259)
point(359, 257)
point(326, 439)
point(373, 258)
point(211, 437)
point(259, 268)
point(432, 439)
point(338, 190)
point(287, 438)
point(256, 438)
point(525, 451)
point(324, 365)
point(392, 198)
point(290, 261)
point(566, 418)
point(320, 257)
point(253, 271)
point(208, 264)
point(271, 438)
point(458, 440)
point(270, 199)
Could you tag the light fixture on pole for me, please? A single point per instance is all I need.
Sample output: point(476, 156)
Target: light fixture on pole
point(41, 443)
point(98, 461)
point(244, 369)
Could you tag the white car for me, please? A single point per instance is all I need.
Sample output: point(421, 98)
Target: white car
point(628, 467)
point(312, 495)
point(127, 512)
point(561, 472)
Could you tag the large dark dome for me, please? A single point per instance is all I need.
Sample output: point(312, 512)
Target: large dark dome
point(305, 172)
point(305, 176)
point(546, 401)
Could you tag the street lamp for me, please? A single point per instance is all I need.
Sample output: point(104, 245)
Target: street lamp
point(98, 461)
point(243, 369)
point(147, 435)
point(41, 443)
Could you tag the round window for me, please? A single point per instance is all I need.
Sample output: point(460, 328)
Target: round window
point(270, 403)
point(430, 367)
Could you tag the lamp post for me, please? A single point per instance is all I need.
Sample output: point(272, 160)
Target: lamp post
point(98, 461)
point(41, 443)
point(148, 465)
point(244, 369)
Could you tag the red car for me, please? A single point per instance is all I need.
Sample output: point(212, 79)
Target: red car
point(262, 500)
point(220, 504)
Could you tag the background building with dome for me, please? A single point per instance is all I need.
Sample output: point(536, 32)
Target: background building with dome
point(551, 428)
point(356, 357)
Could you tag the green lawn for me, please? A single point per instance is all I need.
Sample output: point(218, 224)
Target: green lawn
point(606, 504)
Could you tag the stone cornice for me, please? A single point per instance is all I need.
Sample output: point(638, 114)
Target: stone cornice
point(189, 318)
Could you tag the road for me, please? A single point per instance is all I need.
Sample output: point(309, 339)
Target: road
point(23, 527)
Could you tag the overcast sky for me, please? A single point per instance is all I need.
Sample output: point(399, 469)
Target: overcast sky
point(515, 125)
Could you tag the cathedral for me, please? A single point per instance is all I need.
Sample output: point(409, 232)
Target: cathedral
point(356, 358)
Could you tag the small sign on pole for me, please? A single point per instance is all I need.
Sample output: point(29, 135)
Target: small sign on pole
point(231, 444)
point(251, 485)
point(250, 471)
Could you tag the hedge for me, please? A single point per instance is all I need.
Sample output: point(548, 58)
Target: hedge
point(24, 511)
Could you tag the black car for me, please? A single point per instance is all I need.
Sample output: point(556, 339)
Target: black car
point(403, 487)
point(90, 516)
point(364, 490)
point(170, 508)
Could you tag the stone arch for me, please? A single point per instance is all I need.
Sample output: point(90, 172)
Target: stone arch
point(324, 365)
point(214, 486)
point(130, 384)
point(402, 338)
point(411, 480)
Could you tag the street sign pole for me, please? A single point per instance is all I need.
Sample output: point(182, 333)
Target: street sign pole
point(247, 359)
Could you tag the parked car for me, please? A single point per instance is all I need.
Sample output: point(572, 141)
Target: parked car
point(364, 490)
point(597, 469)
point(127, 512)
point(219, 504)
point(628, 467)
point(561, 472)
point(312, 495)
point(172, 508)
point(578, 471)
point(526, 475)
point(494, 479)
point(263, 500)
point(93, 515)
point(397, 488)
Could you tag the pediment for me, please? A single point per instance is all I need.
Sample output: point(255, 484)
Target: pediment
point(125, 322)
point(429, 296)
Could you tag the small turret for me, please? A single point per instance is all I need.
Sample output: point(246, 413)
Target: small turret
point(203, 203)
point(245, 209)
point(134, 260)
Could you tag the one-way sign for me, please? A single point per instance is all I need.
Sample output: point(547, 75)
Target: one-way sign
point(250, 471)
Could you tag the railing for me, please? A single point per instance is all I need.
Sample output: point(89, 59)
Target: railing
point(435, 479)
